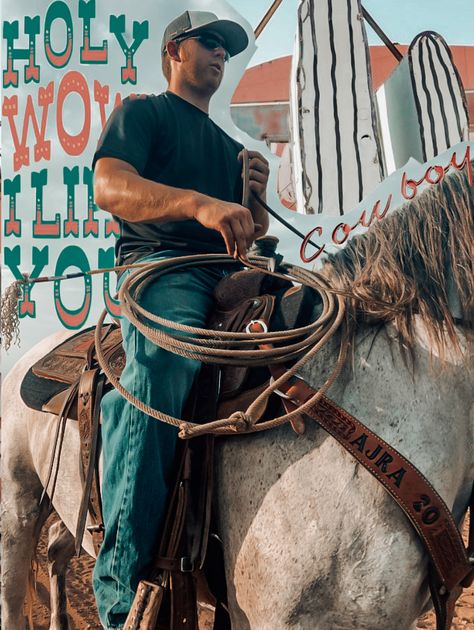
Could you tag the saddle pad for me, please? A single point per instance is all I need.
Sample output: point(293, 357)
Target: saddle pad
point(58, 370)
point(66, 362)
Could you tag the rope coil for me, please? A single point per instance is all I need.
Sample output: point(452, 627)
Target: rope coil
point(231, 348)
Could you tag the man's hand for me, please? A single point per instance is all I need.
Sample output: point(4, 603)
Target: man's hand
point(258, 172)
point(233, 221)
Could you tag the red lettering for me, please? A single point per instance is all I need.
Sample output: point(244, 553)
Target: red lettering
point(466, 162)
point(42, 148)
point(439, 170)
point(74, 82)
point(346, 229)
point(42, 228)
point(380, 215)
point(11, 188)
point(72, 318)
point(11, 33)
point(129, 72)
point(409, 187)
point(361, 220)
point(317, 230)
point(101, 96)
point(91, 224)
point(410, 184)
point(93, 54)
point(58, 11)
point(90, 54)
point(112, 228)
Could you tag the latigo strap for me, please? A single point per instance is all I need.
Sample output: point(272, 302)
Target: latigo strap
point(91, 386)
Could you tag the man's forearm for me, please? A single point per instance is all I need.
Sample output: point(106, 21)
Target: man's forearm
point(120, 190)
point(135, 199)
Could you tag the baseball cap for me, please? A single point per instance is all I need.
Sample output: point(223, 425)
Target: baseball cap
point(192, 23)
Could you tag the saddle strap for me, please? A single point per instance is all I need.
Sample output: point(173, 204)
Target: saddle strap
point(91, 386)
point(423, 506)
point(166, 564)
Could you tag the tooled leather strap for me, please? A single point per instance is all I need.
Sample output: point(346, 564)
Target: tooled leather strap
point(415, 495)
point(88, 412)
point(423, 506)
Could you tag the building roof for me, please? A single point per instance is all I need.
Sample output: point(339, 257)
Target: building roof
point(269, 82)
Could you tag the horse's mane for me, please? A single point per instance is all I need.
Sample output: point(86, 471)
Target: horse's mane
point(404, 264)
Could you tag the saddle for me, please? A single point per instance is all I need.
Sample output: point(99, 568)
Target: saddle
point(242, 297)
point(67, 382)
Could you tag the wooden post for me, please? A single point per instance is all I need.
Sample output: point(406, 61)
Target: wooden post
point(267, 17)
point(390, 45)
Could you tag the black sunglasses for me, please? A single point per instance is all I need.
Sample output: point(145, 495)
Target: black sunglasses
point(208, 41)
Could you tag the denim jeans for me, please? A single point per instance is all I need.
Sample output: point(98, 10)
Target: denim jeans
point(138, 451)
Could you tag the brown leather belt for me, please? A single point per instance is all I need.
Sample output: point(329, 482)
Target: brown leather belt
point(423, 506)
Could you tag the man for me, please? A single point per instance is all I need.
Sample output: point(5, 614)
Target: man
point(172, 178)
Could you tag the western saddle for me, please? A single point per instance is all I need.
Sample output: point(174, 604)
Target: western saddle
point(69, 383)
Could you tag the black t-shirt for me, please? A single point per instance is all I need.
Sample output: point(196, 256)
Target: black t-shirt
point(170, 141)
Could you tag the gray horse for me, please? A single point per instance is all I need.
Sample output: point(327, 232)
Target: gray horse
point(311, 540)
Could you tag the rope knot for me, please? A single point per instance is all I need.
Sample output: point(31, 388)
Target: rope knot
point(185, 431)
point(241, 422)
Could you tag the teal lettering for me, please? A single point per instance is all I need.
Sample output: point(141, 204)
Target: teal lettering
point(140, 33)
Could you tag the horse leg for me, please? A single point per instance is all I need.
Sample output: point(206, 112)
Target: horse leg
point(22, 520)
point(60, 551)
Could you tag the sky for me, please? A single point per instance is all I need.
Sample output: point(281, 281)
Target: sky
point(401, 20)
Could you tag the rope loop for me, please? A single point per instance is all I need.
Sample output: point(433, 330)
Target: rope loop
point(299, 345)
point(185, 430)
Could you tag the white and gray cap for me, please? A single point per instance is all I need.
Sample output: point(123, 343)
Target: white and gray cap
point(192, 23)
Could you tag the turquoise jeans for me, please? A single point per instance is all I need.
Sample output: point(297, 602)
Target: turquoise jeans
point(138, 451)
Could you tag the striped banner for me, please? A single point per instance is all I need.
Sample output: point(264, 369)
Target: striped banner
point(422, 105)
point(336, 158)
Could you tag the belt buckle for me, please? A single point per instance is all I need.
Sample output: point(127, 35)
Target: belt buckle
point(186, 565)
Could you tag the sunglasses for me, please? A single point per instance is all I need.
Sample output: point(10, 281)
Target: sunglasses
point(208, 41)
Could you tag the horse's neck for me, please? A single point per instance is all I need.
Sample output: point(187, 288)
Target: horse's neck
point(422, 409)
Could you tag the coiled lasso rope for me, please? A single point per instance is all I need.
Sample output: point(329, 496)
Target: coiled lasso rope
point(231, 348)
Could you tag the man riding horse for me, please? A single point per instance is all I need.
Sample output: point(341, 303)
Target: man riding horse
point(172, 179)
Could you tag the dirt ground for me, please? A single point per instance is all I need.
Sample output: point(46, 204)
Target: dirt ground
point(83, 614)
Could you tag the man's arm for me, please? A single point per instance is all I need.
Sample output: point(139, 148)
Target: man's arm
point(258, 179)
point(120, 190)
